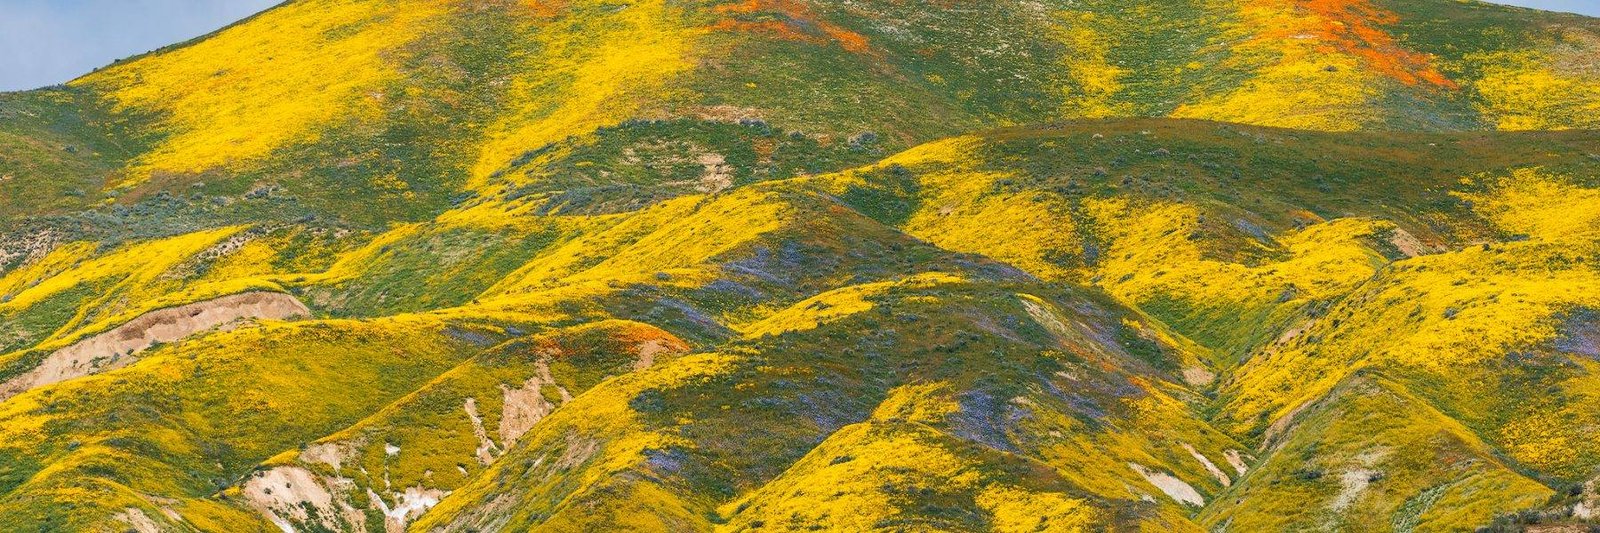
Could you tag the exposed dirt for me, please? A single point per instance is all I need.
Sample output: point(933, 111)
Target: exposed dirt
point(1210, 467)
point(116, 348)
point(1198, 376)
point(412, 503)
point(1589, 507)
point(1351, 485)
point(648, 351)
point(289, 495)
point(1170, 485)
point(718, 176)
point(25, 249)
point(297, 499)
point(1047, 319)
point(579, 449)
point(329, 453)
point(1283, 423)
point(1237, 461)
point(165, 506)
point(526, 406)
point(137, 521)
point(1354, 481)
point(1408, 244)
point(727, 113)
point(487, 449)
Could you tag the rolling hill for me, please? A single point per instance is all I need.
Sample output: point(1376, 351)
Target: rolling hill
point(576, 265)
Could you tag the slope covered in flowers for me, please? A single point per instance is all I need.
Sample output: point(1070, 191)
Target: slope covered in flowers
point(799, 265)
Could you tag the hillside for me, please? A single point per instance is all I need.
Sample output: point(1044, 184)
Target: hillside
point(481, 265)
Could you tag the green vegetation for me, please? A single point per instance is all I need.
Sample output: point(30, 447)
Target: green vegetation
point(586, 265)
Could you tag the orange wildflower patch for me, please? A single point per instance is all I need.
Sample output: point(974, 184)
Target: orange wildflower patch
point(1353, 27)
point(790, 20)
point(764, 149)
point(546, 9)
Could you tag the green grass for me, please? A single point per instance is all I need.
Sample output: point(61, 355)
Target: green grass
point(984, 332)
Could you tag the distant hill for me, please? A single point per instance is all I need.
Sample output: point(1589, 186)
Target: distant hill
point(484, 265)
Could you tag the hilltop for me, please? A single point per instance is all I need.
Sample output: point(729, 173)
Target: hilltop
point(418, 103)
point(780, 264)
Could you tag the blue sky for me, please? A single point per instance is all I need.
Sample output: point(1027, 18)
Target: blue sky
point(44, 42)
point(1587, 7)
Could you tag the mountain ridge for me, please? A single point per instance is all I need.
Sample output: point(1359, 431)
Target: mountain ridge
point(784, 264)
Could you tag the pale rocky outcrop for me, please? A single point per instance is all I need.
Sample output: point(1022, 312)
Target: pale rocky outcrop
point(1198, 376)
point(648, 351)
point(1237, 460)
point(1209, 466)
point(295, 498)
point(333, 454)
point(289, 496)
point(1408, 244)
point(137, 521)
point(487, 449)
point(409, 505)
point(718, 176)
point(527, 405)
point(1352, 484)
point(116, 347)
point(1170, 485)
point(1588, 507)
